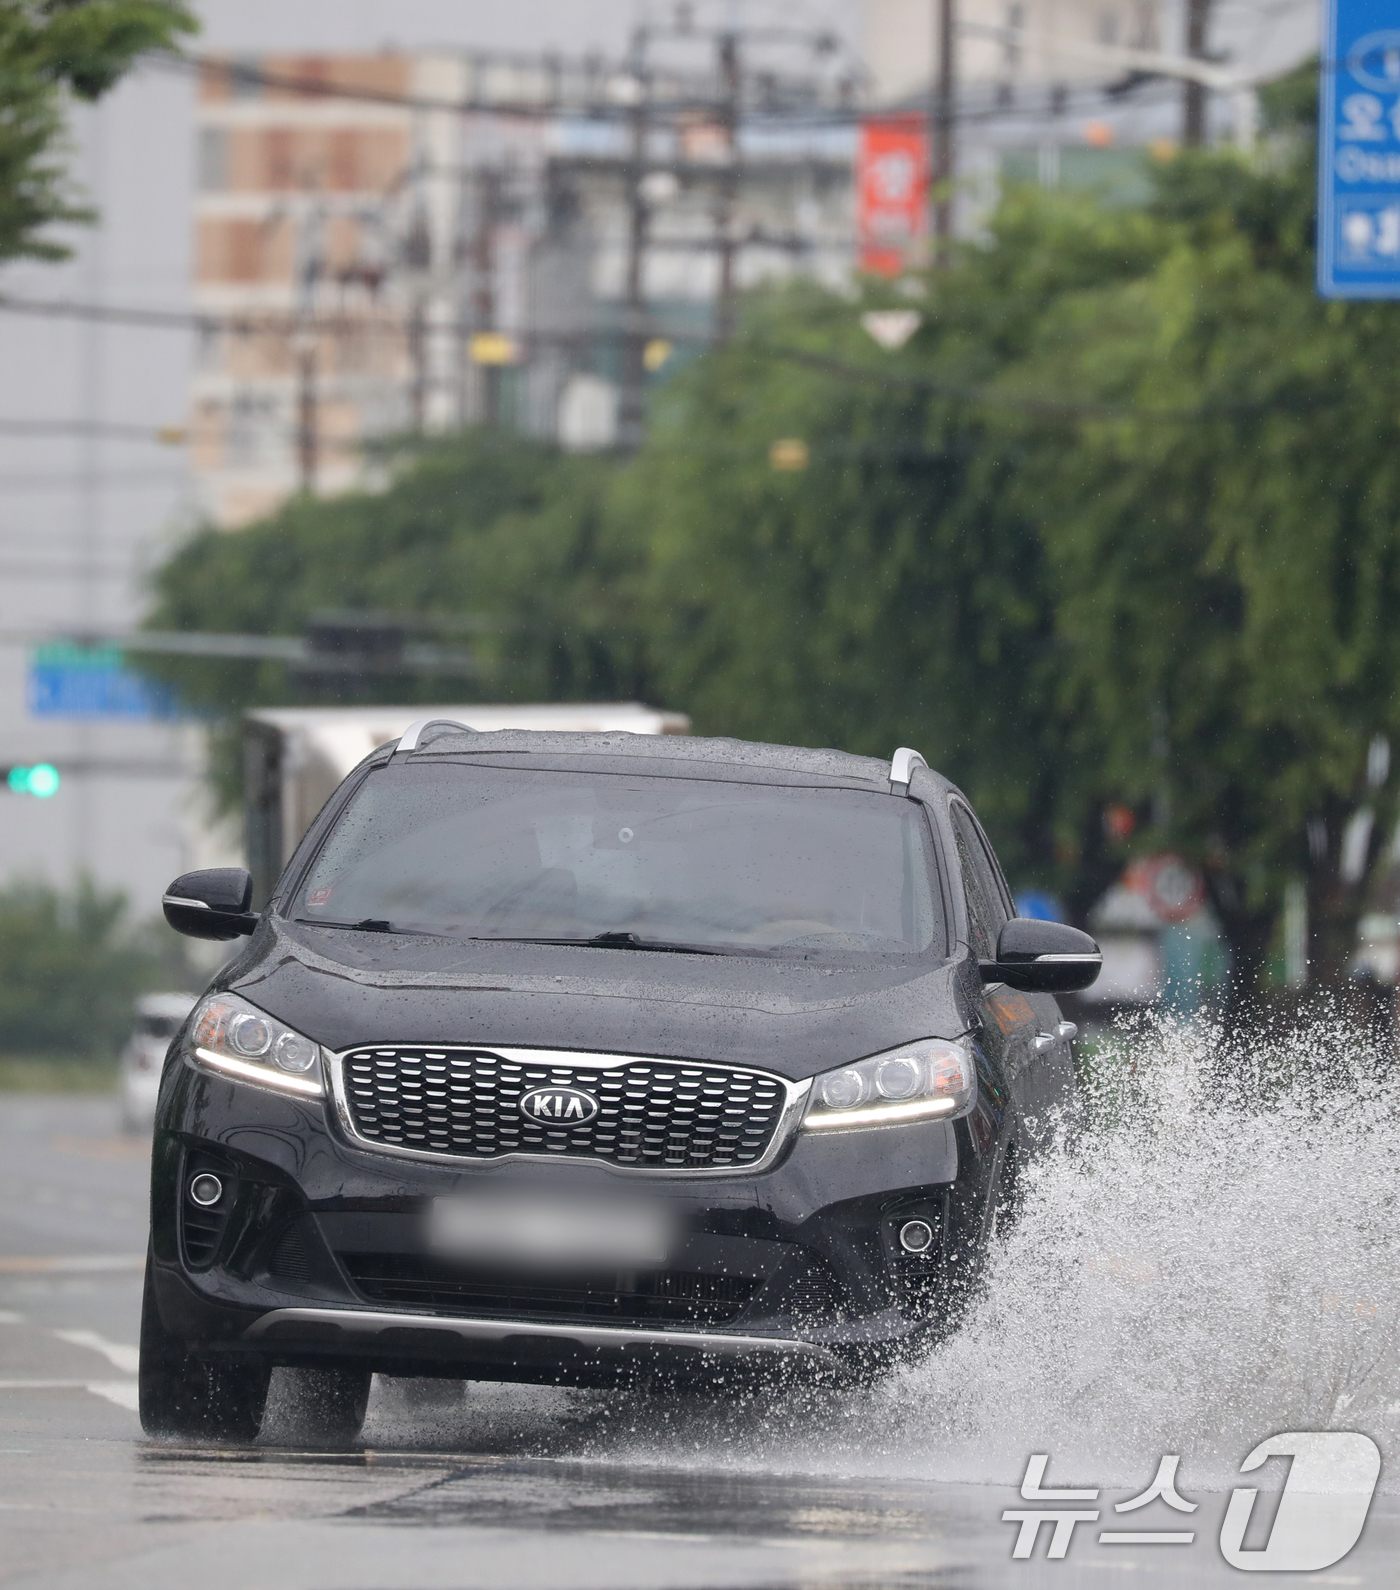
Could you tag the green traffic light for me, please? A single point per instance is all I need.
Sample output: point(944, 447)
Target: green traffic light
point(42, 780)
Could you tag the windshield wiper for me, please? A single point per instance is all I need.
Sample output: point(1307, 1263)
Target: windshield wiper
point(602, 941)
point(368, 924)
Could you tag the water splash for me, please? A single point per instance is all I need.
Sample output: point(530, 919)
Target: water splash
point(1209, 1255)
point(1212, 1257)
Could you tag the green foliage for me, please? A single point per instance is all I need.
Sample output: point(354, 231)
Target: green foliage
point(50, 49)
point(1228, 575)
point(1119, 524)
point(897, 590)
point(487, 536)
point(71, 966)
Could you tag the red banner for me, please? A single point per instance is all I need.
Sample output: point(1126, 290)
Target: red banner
point(892, 184)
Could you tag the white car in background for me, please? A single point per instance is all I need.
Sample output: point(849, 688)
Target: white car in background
point(158, 1019)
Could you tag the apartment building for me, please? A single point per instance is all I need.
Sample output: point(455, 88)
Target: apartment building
point(401, 242)
point(325, 230)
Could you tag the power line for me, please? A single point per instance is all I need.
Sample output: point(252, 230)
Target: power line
point(164, 435)
point(42, 480)
point(1025, 402)
point(614, 107)
point(277, 323)
point(679, 110)
point(821, 362)
point(63, 571)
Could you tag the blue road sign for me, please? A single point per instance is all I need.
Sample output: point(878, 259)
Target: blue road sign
point(92, 682)
point(1358, 210)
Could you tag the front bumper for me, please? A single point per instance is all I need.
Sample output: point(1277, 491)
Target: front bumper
point(320, 1250)
point(509, 1344)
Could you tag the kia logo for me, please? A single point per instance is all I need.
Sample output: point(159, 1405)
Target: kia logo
point(559, 1104)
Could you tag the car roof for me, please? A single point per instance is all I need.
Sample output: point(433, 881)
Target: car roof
point(684, 755)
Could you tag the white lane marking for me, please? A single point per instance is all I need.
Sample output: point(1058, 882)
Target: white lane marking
point(127, 1359)
point(9, 1317)
point(82, 1263)
point(43, 1385)
point(122, 1392)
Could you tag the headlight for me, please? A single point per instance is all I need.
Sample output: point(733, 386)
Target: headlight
point(915, 1082)
point(233, 1037)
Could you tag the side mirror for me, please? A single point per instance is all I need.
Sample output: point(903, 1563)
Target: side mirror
point(211, 904)
point(1043, 958)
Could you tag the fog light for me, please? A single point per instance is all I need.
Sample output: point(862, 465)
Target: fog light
point(916, 1236)
point(206, 1190)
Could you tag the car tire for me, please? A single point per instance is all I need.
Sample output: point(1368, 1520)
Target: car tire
point(183, 1395)
point(327, 1406)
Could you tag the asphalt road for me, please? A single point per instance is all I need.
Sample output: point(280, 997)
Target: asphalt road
point(456, 1488)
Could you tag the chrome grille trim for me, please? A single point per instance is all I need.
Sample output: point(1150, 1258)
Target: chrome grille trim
point(789, 1115)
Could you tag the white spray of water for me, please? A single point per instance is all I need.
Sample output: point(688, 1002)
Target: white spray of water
point(1211, 1257)
point(1215, 1257)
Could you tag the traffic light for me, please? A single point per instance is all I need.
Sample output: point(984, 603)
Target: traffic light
point(41, 779)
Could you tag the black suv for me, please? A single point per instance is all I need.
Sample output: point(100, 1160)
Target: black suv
point(582, 1058)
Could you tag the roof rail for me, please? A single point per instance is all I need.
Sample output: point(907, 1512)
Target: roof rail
point(902, 765)
point(408, 740)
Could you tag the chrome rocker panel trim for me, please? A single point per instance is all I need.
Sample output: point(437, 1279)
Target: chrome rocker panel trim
point(783, 1133)
point(370, 1322)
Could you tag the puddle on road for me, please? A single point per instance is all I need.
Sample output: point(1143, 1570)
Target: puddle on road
point(494, 1492)
point(668, 1501)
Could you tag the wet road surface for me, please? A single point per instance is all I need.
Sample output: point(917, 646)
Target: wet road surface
point(456, 1488)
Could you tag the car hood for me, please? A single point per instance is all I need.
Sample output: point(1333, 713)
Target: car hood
point(344, 988)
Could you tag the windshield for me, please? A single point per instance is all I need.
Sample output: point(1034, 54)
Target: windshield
point(499, 853)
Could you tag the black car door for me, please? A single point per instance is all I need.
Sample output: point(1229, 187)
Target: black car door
point(1039, 1062)
point(1012, 1020)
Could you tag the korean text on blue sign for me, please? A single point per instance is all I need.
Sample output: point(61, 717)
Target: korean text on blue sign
point(1358, 211)
point(92, 682)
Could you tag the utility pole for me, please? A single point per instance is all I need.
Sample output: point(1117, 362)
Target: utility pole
point(90, 500)
point(309, 268)
point(631, 408)
point(417, 260)
point(488, 182)
point(1193, 98)
point(942, 152)
point(308, 449)
point(418, 364)
point(728, 190)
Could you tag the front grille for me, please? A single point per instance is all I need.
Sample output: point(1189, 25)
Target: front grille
point(675, 1296)
point(652, 1113)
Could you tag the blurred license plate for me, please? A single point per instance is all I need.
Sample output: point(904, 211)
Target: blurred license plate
point(533, 1230)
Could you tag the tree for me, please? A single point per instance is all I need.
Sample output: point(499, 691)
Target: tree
point(1117, 526)
point(488, 538)
point(50, 49)
point(71, 966)
point(1228, 564)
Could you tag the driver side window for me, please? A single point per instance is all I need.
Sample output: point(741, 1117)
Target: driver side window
point(985, 910)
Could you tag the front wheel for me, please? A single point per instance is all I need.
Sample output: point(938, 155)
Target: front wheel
point(181, 1394)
